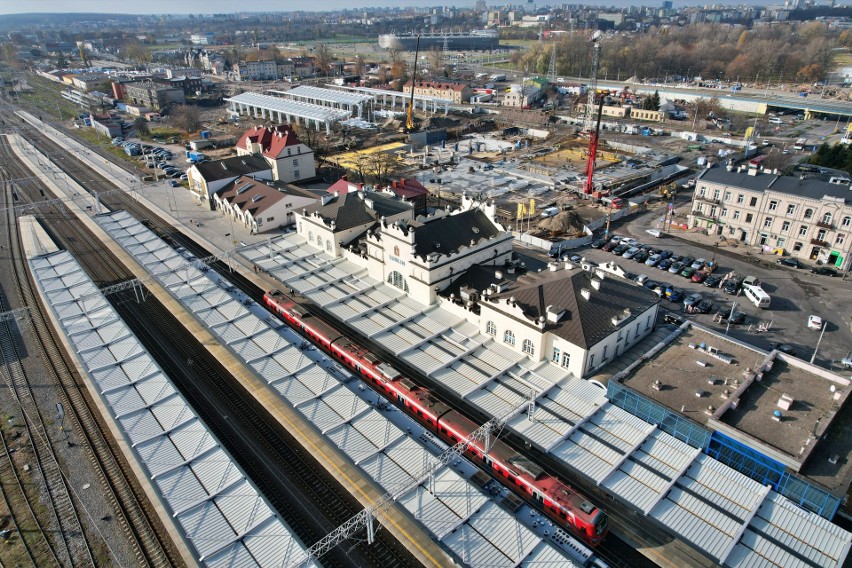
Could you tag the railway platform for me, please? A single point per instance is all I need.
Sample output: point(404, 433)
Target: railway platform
point(186, 216)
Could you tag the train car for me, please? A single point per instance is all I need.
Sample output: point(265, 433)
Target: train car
point(562, 503)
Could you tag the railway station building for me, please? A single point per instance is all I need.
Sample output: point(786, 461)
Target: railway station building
point(260, 205)
point(207, 178)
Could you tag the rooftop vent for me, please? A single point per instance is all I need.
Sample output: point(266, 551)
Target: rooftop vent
point(596, 284)
point(586, 293)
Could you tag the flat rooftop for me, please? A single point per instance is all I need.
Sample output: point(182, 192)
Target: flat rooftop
point(681, 377)
point(711, 380)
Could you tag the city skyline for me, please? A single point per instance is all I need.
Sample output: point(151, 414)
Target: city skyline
point(225, 6)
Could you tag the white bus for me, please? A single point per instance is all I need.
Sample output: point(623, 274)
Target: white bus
point(757, 295)
point(800, 144)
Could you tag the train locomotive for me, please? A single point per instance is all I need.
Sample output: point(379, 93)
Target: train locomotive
point(562, 503)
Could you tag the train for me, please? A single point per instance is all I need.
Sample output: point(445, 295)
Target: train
point(563, 504)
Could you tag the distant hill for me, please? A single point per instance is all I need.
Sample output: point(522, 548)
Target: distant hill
point(10, 21)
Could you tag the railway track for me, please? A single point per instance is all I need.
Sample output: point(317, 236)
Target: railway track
point(151, 546)
point(274, 450)
point(69, 546)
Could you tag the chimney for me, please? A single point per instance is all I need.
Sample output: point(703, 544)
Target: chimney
point(393, 184)
point(596, 284)
point(586, 293)
point(360, 187)
point(402, 182)
point(344, 178)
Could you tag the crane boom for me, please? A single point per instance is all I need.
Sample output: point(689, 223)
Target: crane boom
point(592, 87)
point(409, 114)
point(588, 187)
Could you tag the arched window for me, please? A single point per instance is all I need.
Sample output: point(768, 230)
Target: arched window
point(826, 218)
point(509, 337)
point(846, 222)
point(528, 347)
point(397, 280)
point(328, 245)
point(809, 213)
point(310, 236)
point(491, 329)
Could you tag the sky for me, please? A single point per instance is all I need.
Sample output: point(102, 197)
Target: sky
point(227, 6)
point(208, 6)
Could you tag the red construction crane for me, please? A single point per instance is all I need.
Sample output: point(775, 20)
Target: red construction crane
point(588, 187)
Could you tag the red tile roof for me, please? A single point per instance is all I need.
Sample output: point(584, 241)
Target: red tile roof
point(272, 139)
point(408, 188)
point(439, 86)
point(343, 185)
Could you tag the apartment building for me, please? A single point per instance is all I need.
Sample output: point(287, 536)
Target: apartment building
point(806, 217)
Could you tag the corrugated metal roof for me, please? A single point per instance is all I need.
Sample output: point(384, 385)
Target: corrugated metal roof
point(618, 450)
point(210, 498)
point(378, 446)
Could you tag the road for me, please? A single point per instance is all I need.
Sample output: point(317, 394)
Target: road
point(796, 294)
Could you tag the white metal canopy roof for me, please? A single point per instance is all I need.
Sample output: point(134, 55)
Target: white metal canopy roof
point(656, 473)
point(221, 514)
point(309, 92)
point(458, 513)
point(293, 108)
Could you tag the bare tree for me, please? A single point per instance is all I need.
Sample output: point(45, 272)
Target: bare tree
point(323, 58)
point(360, 65)
point(185, 117)
point(140, 125)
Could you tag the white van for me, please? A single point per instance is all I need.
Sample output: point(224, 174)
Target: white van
point(757, 295)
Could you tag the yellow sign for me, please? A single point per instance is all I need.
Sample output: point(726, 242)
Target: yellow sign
point(521, 211)
point(749, 132)
point(849, 128)
point(532, 207)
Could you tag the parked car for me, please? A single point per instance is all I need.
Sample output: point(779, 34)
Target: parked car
point(629, 241)
point(815, 322)
point(687, 272)
point(630, 252)
point(620, 250)
point(783, 348)
point(698, 264)
point(699, 277)
point(650, 284)
point(674, 294)
point(664, 264)
point(791, 262)
point(824, 271)
point(847, 361)
point(654, 233)
point(687, 261)
point(641, 279)
point(666, 254)
point(692, 300)
point(676, 268)
point(609, 246)
point(732, 286)
point(598, 243)
point(725, 316)
point(575, 258)
point(173, 183)
point(704, 307)
point(653, 260)
point(641, 256)
point(712, 281)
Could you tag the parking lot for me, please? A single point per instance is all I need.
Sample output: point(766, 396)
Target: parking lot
point(795, 294)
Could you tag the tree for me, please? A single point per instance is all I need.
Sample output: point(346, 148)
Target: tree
point(810, 73)
point(140, 125)
point(61, 61)
point(399, 70)
point(322, 58)
point(185, 117)
point(436, 61)
point(360, 66)
point(652, 102)
point(10, 54)
point(137, 53)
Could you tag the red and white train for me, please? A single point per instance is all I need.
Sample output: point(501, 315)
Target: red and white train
point(562, 503)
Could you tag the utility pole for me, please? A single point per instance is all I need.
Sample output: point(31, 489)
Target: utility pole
point(818, 342)
point(730, 315)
